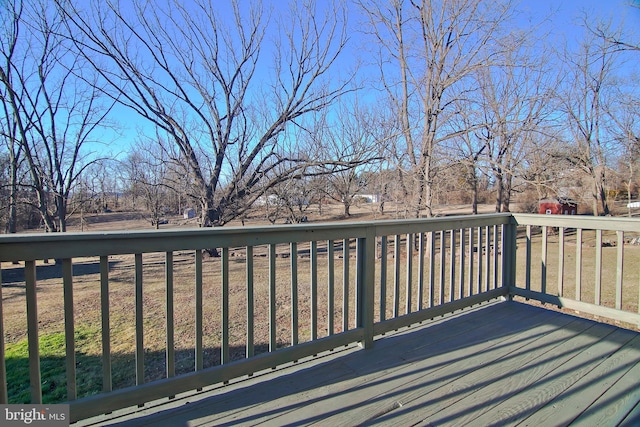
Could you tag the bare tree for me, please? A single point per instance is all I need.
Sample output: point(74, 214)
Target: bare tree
point(147, 171)
point(514, 99)
point(289, 200)
point(586, 98)
point(355, 137)
point(50, 113)
point(603, 30)
point(12, 163)
point(625, 123)
point(425, 51)
point(202, 79)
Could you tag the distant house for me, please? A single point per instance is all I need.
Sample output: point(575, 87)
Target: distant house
point(558, 206)
point(270, 200)
point(368, 198)
point(189, 213)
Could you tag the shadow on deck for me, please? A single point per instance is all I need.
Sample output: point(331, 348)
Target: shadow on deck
point(501, 363)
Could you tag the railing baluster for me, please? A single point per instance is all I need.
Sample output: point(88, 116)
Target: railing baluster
point(250, 351)
point(619, 269)
point(170, 355)
point(314, 289)
point(396, 276)
point(293, 247)
point(432, 267)
point(461, 263)
point(560, 261)
point(69, 328)
point(527, 257)
point(479, 251)
point(420, 270)
point(139, 321)
point(543, 260)
point(410, 238)
point(598, 281)
point(578, 263)
point(346, 254)
point(452, 264)
point(495, 257)
point(272, 297)
point(443, 247)
point(107, 382)
point(224, 273)
point(199, 328)
point(4, 399)
point(330, 290)
point(471, 260)
point(383, 278)
point(487, 258)
point(32, 332)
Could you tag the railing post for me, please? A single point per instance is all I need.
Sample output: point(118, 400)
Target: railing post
point(509, 236)
point(69, 327)
point(365, 265)
point(4, 399)
point(32, 332)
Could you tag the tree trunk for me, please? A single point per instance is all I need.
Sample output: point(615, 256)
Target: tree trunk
point(596, 195)
point(13, 195)
point(506, 193)
point(61, 207)
point(347, 207)
point(210, 217)
point(499, 189)
point(602, 195)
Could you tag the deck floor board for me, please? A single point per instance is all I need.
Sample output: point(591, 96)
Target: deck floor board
point(503, 363)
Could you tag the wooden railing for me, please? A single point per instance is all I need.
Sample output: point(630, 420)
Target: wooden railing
point(170, 320)
point(587, 264)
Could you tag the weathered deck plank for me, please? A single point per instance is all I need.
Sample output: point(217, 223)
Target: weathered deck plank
point(429, 375)
point(504, 363)
point(376, 387)
point(484, 381)
point(615, 403)
point(528, 368)
point(561, 400)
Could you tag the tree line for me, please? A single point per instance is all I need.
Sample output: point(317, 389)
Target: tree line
point(251, 104)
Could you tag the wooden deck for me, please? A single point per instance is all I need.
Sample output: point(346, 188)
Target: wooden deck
point(504, 363)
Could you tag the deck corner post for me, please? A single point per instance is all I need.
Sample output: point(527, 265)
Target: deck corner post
point(365, 265)
point(509, 246)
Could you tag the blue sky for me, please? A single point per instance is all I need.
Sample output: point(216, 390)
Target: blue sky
point(561, 19)
point(564, 15)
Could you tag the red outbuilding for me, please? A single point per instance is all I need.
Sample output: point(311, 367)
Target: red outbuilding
point(559, 206)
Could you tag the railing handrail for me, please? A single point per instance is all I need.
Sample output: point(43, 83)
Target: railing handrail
point(35, 246)
point(579, 221)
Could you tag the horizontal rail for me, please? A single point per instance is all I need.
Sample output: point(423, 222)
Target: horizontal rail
point(579, 306)
point(38, 246)
point(579, 221)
